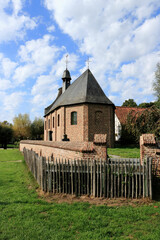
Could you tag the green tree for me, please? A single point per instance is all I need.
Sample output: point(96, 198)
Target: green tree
point(156, 84)
point(129, 103)
point(139, 123)
point(22, 127)
point(37, 129)
point(146, 105)
point(6, 133)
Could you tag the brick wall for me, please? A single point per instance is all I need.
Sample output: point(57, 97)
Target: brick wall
point(101, 121)
point(91, 119)
point(67, 150)
point(149, 148)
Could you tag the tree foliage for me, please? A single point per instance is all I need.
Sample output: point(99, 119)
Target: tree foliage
point(6, 133)
point(129, 103)
point(139, 123)
point(22, 127)
point(37, 129)
point(156, 84)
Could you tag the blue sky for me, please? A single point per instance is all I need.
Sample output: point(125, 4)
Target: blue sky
point(121, 37)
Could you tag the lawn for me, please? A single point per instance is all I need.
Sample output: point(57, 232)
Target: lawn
point(24, 216)
point(125, 152)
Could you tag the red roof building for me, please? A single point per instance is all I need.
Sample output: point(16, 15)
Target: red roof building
point(121, 114)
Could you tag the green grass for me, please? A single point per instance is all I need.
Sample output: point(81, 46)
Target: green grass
point(23, 216)
point(125, 152)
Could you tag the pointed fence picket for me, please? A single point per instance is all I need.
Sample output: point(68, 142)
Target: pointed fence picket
point(109, 179)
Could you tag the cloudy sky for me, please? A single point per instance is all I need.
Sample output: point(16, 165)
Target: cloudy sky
point(121, 38)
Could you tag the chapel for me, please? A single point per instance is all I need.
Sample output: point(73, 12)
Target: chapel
point(80, 111)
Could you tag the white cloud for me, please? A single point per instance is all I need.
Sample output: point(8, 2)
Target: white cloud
point(13, 25)
point(36, 56)
point(114, 33)
point(7, 67)
point(13, 100)
point(5, 84)
point(51, 28)
point(135, 80)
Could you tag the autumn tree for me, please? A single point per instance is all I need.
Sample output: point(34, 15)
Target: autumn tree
point(22, 127)
point(129, 103)
point(37, 129)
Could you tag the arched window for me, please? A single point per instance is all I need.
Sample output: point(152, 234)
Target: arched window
point(73, 118)
point(53, 122)
point(58, 120)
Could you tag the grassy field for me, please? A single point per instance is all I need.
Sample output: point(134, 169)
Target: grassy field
point(24, 216)
point(125, 152)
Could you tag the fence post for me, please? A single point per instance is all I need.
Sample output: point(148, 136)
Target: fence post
point(87, 176)
point(94, 177)
point(150, 177)
point(147, 161)
point(72, 177)
point(75, 177)
point(44, 175)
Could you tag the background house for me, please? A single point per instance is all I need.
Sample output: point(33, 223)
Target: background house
point(121, 114)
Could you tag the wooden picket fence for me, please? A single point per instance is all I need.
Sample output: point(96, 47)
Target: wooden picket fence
point(110, 179)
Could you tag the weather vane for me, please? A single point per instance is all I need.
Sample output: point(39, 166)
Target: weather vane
point(67, 61)
point(88, 61)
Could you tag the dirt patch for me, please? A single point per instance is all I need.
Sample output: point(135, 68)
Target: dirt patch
point(67, 198)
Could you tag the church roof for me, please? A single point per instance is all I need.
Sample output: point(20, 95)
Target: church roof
point(85, 89)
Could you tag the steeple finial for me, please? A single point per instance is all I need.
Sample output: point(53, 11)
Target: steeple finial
point(88, 61)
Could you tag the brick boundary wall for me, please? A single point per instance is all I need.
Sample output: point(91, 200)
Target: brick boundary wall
point(149, 147)
point(69, 150)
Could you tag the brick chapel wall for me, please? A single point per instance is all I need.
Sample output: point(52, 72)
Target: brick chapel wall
point(75, 132)
point(101, 121)
point(88, 123)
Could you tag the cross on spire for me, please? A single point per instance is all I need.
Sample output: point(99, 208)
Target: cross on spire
point(67, 61)
point(88, 61)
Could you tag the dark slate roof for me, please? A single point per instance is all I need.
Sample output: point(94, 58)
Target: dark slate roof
point(66, 75)
point(84, 89)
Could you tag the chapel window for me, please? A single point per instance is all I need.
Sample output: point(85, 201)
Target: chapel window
point(58, 120)
point(53, 122)
point(49, 123)
point(73, 118)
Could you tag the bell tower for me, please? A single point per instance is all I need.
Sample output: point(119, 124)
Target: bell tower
point(66, 80)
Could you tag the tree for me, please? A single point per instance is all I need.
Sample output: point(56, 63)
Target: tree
point(6, 133)
point(129, 103)
point(156, 84)
point(146, 105)
point(137, 124)
point(22, 127)
point(37, 129)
